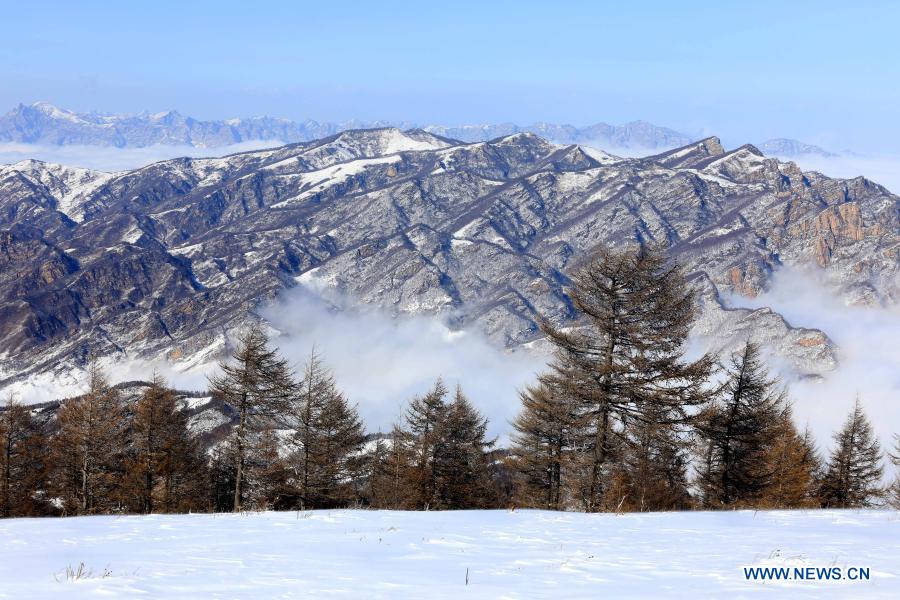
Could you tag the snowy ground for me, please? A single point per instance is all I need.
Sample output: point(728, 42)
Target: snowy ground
point(521, 554)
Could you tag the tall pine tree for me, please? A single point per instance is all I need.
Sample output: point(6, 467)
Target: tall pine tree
point(439, 458)
point(541, 442)
point(794, 465)
point(89, 448)
point(626, 363)
point(738, 432)
point(328, 438)
point(165, 465)
point(462, 465)
point(421, 438)
point(258, 384)
point(853, 475)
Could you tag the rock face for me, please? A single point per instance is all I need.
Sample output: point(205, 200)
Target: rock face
point(165, 259)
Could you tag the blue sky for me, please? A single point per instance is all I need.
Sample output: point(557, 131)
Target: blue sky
point(824, 72)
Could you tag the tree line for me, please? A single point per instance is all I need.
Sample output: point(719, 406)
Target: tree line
point(297, 443)
point(620, 421)
point(621, 416)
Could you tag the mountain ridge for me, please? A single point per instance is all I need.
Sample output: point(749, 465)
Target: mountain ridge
point(44, 123)
point(167, 259)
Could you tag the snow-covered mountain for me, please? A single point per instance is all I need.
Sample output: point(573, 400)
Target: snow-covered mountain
point(43, 123)
point(637, 135)
point(165, 259)
point(792, 148)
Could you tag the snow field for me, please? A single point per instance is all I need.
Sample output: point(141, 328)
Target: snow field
point(388, 554)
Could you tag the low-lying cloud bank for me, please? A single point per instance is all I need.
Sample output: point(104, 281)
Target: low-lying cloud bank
point(868, 355)
point(380, 361)
point(104, 158)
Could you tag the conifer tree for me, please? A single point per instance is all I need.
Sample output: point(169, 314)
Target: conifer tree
point(166, 465)
point(794, 464)
point(389, 472)
point(440, 457)
point(653, 471)
point(258, 384)
point(89, 448)
point(422, 440)
point(328, 438)
point(267, 472)
point(853, 475)
point(341, 439)
point(462, 470)
point(626, 363)
point(541, 439)
point(16, 425)
point(738, 432)
point(894, 496)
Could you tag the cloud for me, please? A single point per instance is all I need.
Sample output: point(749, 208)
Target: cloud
point(381, 362)
point(105, 158)
point(868, 355)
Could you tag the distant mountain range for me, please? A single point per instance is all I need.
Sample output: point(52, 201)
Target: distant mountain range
point(787, 147)
point(167, 259)
point(45, 124)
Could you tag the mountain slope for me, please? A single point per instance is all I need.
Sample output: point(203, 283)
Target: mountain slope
point(166, 258)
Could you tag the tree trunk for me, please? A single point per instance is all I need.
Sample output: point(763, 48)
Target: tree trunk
point(7, 475)
point(149, 474)
point(84, 479)
point(239, 456)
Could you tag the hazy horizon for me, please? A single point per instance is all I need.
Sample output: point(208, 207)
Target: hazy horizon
point(823, 73)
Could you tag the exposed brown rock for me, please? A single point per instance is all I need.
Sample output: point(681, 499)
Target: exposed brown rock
point(808, 342)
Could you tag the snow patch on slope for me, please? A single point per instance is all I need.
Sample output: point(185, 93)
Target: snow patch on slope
point(604, 158)
point(317, 181)
point(70, 186)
